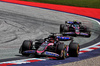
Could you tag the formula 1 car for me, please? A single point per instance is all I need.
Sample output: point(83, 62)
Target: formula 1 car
point(50, 46)
point(74, 28)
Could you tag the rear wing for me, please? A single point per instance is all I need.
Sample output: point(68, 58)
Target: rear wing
point(71, 22)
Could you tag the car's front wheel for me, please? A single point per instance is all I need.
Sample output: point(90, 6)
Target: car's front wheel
point(74, 50)
point(26, 45)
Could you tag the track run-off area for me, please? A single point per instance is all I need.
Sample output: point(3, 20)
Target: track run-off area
point(18, 23)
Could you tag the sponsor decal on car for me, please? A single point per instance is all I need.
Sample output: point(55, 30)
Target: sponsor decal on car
point(29, 51)
point(51, 54)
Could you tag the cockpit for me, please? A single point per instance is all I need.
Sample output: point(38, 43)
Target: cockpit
point(75, 25)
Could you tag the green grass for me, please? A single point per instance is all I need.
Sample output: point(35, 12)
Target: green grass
point(79, 3)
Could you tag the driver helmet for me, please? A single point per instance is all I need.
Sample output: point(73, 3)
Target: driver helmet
point(51, 40)
point(75, 21)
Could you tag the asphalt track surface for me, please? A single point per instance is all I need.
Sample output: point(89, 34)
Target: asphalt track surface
point(18, 23)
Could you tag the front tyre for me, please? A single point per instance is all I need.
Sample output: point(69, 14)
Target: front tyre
point(89, 33)
point(74, 50)
point(26, 45)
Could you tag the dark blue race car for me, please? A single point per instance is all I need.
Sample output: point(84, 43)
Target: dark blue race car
point(74, 28)
point(50, 46)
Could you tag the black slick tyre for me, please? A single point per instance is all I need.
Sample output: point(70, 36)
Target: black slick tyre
point(89, 33)
point(74, 50)
point(61, 28)
point(26, 45)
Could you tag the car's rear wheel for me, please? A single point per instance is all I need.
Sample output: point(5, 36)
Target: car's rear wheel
point(74, 50)
point(61, 28)
point(89, 34)
point(82, 29)
point(27, 45)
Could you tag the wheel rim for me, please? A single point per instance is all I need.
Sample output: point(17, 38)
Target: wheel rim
point(62, 53)
point(78, 49)
point(64, 56)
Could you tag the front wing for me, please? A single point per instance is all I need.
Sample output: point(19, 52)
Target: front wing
point(73, 33)
point(46, 53)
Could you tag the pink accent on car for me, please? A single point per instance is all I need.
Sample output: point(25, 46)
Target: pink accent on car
point(50, 44)
point(40, 51)
point(45, 47)
point(78, 27)
point(78, 30)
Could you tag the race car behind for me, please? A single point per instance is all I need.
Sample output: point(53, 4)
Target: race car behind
point(74, 28)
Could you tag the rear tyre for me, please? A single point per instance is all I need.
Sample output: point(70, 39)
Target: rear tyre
point(88, 32)
point(27, 45)
point(74, 50)
point(61, 28)
point(82, 29)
